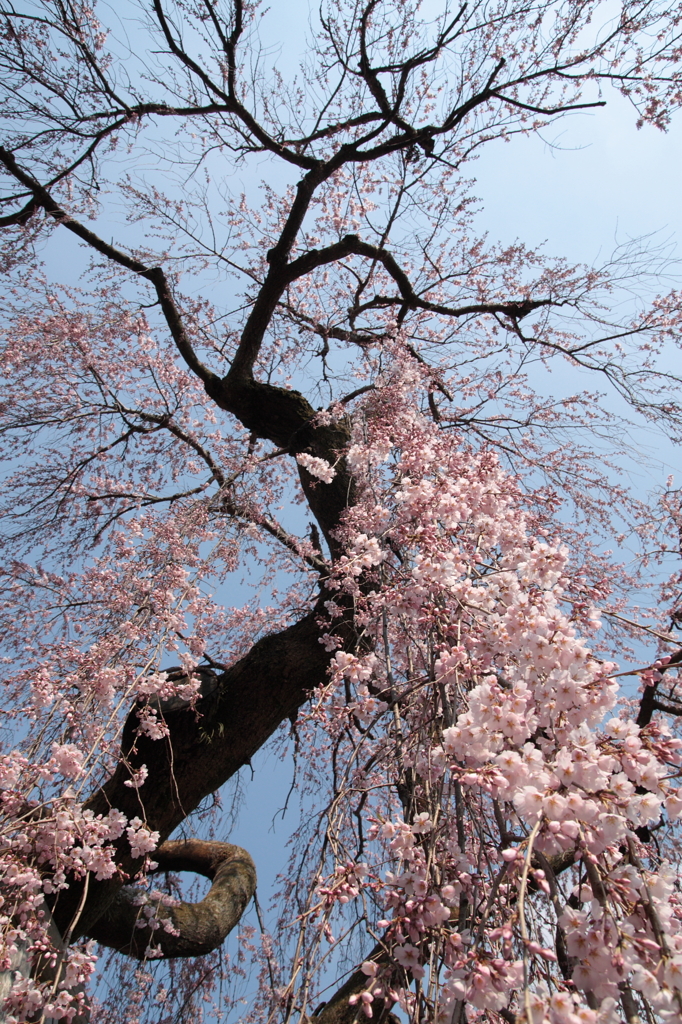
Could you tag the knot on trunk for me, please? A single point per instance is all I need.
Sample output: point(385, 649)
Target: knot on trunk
point(141, 925)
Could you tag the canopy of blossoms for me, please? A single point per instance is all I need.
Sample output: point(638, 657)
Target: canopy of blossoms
point(283, 468)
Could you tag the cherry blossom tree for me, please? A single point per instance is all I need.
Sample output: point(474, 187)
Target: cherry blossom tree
point(249, 327)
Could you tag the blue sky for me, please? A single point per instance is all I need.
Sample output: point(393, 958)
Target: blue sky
point(591, 181)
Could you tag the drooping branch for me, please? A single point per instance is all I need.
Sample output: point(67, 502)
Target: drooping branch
point(226, 501)
point(184, 929)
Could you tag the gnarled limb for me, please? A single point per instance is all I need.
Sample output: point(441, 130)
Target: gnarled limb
point(197, 928)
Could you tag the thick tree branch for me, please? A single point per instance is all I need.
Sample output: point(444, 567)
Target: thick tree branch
point(22, 216)
point(206, 746)
point(648, 702)
point(352, 245)
point(197, 928)
point(338, 1009)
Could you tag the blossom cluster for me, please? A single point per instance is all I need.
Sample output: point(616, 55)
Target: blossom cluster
point(522, 878)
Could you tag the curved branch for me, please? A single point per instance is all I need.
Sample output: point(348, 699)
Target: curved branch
point(352, 245)
point(187, 929)
point(22, 216)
